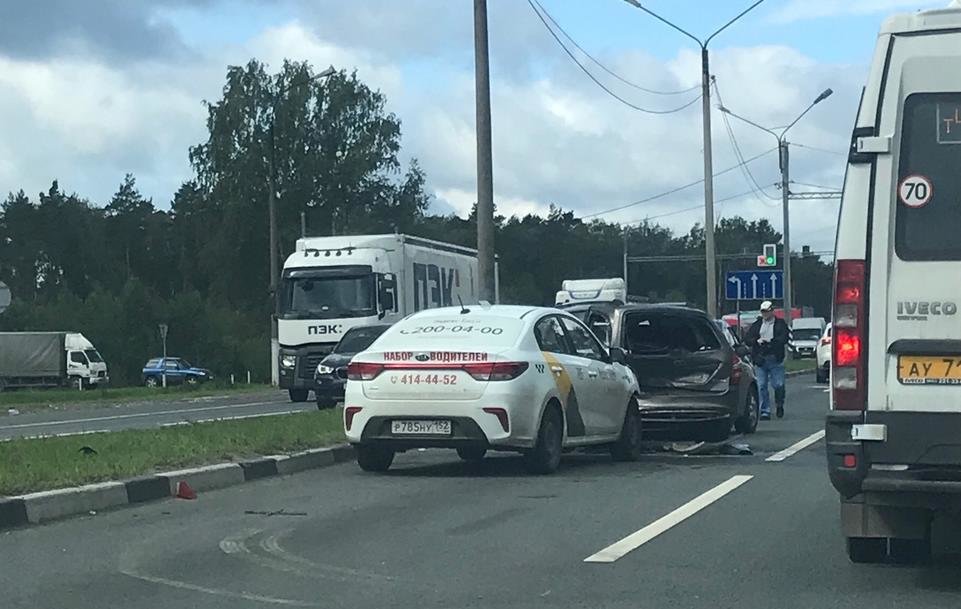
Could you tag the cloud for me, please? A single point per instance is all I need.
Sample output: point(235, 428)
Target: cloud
point(115, 28)
point(804, 10)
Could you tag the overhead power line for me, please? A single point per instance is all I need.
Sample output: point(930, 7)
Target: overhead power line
point(815, 185)
point(745, 170)
point(594, 78)
point(687, 209)
point(604, 67)
point(816, 149)
point(674, 190)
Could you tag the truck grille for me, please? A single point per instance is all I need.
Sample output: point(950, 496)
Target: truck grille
point(308, 364)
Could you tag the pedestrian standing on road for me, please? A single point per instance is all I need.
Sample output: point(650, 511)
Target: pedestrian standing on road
point(767, 338)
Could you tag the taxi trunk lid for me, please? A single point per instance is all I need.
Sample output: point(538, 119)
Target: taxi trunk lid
point(430, 375)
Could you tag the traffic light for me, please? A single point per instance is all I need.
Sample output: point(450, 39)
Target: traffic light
point(769, 257)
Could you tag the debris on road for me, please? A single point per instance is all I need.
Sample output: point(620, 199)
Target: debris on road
point(184, 491)
point(12, 411)
point(87, 450)
point(280, 512)
point(705, 448)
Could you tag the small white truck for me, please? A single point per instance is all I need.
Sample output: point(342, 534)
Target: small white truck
point(49, 359)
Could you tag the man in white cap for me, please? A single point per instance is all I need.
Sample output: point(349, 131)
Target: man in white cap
point(767, 337)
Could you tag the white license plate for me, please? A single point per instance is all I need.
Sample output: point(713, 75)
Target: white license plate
point(433, 428)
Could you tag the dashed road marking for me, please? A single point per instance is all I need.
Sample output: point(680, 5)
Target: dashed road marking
point(797, 446)
point(638, 538)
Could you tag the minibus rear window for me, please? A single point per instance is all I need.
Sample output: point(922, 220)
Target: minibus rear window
point(928, 190)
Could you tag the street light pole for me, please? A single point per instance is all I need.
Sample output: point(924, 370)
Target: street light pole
point(784, 163)
point(485, 169)
point(710, 255)
point(274, 257)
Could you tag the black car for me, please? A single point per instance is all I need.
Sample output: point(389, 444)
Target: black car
point(331, 373)
point(696, 380)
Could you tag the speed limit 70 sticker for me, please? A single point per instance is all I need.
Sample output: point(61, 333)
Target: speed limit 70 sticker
point(915, 190)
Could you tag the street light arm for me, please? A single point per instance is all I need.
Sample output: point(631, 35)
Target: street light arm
point(637, 4)
point(824, 95)
point(726, 25)
point(330, 71)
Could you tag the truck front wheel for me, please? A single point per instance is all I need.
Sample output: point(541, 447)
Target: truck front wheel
point(298, 395)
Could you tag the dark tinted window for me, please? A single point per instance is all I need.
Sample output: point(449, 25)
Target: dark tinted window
point(358, 339)
point(154, 363)
point(77, 357)
point(928, 229)
point(171, 364)
point(705, 336)
point(584, 344)
point(659, 333)
point(549, 335)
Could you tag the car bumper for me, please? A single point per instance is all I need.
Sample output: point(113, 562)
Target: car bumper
point(917, 464)
point(665, 412)
point(469, 423)
point(99, 380)
point(329, 387)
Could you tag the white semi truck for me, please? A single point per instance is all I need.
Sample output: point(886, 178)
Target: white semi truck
point(331, 284)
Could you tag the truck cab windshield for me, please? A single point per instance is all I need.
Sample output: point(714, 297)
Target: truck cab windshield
point(329, 297)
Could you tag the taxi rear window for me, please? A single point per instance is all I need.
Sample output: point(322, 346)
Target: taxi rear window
point(483, 331)
point(928, 191)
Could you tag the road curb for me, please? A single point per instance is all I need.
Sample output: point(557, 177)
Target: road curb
point(44, 506)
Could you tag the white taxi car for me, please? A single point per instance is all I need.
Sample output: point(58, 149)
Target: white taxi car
point(527, 379)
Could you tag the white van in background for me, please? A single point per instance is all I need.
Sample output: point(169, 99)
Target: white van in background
point(894, 429)
point(805, 334)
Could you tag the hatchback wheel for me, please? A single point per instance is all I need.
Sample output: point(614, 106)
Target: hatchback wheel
point(545, 457)
point(747, 422)
point(151, 381)
point(628, 445)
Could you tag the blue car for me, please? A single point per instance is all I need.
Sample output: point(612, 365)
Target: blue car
point(177, 370)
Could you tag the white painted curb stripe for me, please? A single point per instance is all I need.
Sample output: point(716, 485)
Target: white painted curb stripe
point(136, 415)
point(796, 447)
point(642, 536)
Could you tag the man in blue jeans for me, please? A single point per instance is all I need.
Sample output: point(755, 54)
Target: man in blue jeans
point(767, 338)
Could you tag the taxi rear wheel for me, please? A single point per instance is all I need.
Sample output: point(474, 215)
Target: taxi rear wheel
point(628, 445)
point(374, 458)
point(545, 457)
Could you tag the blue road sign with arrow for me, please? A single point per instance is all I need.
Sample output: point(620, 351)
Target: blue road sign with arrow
point(754, 285)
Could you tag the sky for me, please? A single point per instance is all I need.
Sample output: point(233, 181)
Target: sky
point(91, 91)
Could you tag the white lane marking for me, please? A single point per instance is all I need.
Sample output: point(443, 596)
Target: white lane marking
point(137, 415)
point(236, 418)
point(217, 591)
point(796, 447)
point(55, 435)
point(662, 524)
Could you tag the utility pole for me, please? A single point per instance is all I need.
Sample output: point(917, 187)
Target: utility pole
point(785, 180)
point(709, 253)
point(710, 256)
point(784, 163)
point(303, 224)
point(626, 290)
point(485, 169)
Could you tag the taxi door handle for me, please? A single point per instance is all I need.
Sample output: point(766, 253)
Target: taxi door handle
point(592, 373)
point(557, 369)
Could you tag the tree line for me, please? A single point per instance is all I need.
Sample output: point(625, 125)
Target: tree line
point(116, 269)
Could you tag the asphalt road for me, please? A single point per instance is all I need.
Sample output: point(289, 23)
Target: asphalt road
point(146, 414)
point(435, 532)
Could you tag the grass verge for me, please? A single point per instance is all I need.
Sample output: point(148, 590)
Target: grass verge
point(41, 398)
point(41, 464)
point(793, 365)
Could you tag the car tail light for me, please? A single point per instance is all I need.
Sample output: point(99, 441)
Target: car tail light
point(495, 371)
point(735, 369)
point(363, 371)
point(850, 461)
point(349, 413)
point(848, 369)
point(501, 415)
